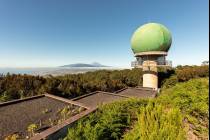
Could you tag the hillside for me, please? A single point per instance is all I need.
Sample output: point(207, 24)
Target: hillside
point(180, 112)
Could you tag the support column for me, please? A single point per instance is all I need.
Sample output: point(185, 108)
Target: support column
point(150, 77)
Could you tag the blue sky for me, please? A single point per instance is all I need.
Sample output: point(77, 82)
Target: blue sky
point(47, 33)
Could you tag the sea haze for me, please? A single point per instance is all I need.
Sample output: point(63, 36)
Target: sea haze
point(52, 70)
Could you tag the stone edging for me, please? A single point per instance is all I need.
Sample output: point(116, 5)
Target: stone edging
point(21, 100)
point(66, 100)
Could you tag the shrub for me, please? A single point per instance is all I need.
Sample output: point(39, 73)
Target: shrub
point(170, 82)
point(182, 74)
point(109, 122)
point(185, 73)
point(157, 123)
point(192, 98)
point(12, 137)
point(31, 129)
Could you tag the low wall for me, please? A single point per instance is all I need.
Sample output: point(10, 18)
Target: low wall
point(20, 100)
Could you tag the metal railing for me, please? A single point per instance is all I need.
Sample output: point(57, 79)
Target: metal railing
point(159, 63)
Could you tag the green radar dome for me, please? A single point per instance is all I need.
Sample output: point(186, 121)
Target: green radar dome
point(151, 37)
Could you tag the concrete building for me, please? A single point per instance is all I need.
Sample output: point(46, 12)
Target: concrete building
point(150, 44)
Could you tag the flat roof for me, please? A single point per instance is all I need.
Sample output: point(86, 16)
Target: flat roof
point(137, 92)
point(97, 98)
point(17, 115)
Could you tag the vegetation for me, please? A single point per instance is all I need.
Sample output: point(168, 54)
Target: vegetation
point(12, 137)
point(69, 86)
point(31, 129)
point(192, 98)
point(109, 122)
point(178, 111)
point(157, 123)
point(19, 86)
point(185, 73)
point(68, 111)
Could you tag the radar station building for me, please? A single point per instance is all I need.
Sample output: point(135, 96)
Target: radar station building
point(150, 44)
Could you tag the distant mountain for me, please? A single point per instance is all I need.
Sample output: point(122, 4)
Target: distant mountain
point(98, 64)
point(95, 64)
